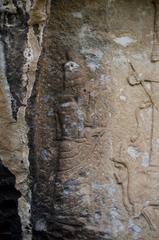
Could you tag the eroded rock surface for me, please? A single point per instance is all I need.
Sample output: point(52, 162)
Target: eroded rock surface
point(79, 105)
point(20, 48)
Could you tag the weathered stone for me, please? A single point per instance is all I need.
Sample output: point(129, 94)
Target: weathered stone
point(20, 48)
point(79, 102)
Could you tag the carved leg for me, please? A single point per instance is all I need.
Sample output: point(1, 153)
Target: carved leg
point(122, 178)
point(146, 214)
point(126, 201)
point(143, 106)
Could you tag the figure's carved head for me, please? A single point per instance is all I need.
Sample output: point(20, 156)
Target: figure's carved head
point(72, 74)
point(72, 67)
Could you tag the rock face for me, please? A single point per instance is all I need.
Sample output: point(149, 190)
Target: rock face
point(79, 141)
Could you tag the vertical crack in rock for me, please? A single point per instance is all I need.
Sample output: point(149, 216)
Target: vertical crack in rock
point(38, 16)
point(152, 130)
point(33, 49)
point(155, 50)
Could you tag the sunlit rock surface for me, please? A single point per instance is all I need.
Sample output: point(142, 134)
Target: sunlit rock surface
point(79, 135)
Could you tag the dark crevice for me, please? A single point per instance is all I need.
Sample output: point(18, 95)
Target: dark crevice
point(31, 119)
point(10, 225)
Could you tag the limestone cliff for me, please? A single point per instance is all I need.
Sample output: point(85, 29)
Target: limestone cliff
point(79, 141)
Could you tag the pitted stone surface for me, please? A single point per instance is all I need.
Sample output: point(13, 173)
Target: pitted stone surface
point(79, 84)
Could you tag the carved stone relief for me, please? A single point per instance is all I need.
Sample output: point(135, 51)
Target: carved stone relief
point(78, 123)
point(139, 182)
point(97, 120)
point(139, 186)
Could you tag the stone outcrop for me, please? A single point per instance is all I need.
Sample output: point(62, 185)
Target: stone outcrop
point(79, 102)
point(20, 48)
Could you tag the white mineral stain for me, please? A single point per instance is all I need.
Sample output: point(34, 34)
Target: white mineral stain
point(140, 75)
point(133, 152)
point(93, 94)
point(92, 55)
point(77, 14)
point(148, 85)
point(145, 160)
point(92, 66)
point(146, 204)
point(121, 90)
point(51, 112)
point(120, 59)
point(28, 53)
point(133, 227)
point(67, 104)
point(97, 216)
point(157, 140)
point(80, 127)
point(142, 116)
point(110, 188)
point(40, 225)
point(115, 219)
point(46, 98)
point(104, 79)
point(122, 98)
point(145, 115)
point(84, 32)
point(124, 41)
point(111, 147)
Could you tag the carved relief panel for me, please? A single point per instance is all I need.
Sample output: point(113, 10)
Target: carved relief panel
point(106, 103)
